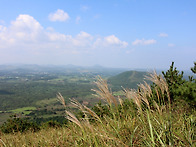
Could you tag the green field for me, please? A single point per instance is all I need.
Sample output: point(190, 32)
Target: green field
point(23, 110)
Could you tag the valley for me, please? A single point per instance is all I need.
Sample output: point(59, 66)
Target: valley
point(30, 91)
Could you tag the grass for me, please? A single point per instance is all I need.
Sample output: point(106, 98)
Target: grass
point(138, 120)
point(46, 102)
point(24, 110)
point(118, 93)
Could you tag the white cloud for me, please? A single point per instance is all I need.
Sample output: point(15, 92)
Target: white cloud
point(26, 24)
point(144, 42)
point(59, 15)
point(2, 28)
point(26, 35)
point(24, 29)
point(163, 35)
point(113, 40)
point(83, 35)
point(110, 41)
point(83, 39)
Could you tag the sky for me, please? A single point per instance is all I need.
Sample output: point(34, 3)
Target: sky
point(146, 34)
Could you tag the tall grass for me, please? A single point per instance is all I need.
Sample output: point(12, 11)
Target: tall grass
point(144, 118)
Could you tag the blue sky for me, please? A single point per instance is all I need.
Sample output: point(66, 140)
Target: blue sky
point(114, 33)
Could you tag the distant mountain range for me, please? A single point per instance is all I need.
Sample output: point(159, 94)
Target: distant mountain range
point(96, 69)
point(29, 68)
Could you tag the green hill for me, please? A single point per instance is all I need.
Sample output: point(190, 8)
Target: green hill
point(128, 79)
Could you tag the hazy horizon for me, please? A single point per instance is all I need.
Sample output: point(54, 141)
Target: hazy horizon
point(118, 34)
point(97, 66)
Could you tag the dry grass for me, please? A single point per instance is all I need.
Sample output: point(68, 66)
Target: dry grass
point(103, 91)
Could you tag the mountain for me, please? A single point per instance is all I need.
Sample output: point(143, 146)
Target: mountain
point(128, 79)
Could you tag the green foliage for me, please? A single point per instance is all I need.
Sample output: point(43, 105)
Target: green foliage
point(28, 93)
point(173, 77)
point(179, 88)
point(193, 69)
point(15, 124)
point(51, 124)
point(101, 110)
point(40, 120)
point(126, 106)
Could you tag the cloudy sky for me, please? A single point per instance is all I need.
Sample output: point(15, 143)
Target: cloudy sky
point(111, 33)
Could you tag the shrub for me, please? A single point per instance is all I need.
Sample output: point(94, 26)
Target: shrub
point(15, 124)
point(52, 124)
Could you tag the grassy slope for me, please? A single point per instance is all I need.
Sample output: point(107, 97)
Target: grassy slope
point(130, 131)
point(128, 79)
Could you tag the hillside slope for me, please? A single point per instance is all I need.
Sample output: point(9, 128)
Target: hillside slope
point(128, 79)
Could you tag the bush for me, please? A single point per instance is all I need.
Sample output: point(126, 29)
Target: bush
point(15, 124)
point(101, 110)
point(52, 124)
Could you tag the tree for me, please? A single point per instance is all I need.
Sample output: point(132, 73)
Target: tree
point(179, 88)
point(174, 79)
point(16, 124)
point(193, 69)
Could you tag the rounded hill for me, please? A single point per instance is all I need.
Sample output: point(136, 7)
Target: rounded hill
point(128, 79)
